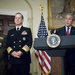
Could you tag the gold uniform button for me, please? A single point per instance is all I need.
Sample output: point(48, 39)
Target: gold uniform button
point(24, 38)
point(14, 46)
point(14, 41)
point(19, 40)
point(19, 45)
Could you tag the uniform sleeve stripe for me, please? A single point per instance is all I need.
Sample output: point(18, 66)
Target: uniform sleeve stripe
point(26, 48)
point(9, 49)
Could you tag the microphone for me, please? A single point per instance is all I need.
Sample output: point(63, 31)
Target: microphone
point(54, 31)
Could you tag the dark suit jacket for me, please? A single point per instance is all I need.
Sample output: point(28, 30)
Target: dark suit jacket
point(19, 40)
point(62, 31)
point(70, 53)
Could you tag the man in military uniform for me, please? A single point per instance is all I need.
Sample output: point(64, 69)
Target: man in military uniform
point(18, 44)
point(2, 55)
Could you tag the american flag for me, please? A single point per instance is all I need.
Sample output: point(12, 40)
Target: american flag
point(42, 31)
point(44, 60)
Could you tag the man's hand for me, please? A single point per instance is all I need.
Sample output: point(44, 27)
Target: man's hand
point(19, 53)
point(16, 54)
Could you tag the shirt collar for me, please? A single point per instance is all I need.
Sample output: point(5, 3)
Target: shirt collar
point(18, 27)
point(69, 28)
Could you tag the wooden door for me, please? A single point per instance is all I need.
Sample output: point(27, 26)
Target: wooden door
point(6, 23)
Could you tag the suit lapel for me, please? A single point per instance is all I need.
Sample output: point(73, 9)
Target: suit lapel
point(17, 34)
point(64, 30)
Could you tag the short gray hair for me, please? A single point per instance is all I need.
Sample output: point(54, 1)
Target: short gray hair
point(70, 15)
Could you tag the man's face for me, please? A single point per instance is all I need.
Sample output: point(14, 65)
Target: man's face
point(18, 19)
point(68, 20)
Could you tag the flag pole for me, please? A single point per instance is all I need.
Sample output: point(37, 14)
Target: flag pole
point(42, 8)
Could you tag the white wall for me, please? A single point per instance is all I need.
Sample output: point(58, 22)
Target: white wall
point(37, 14)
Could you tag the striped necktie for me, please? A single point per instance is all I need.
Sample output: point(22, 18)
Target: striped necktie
point(67, 32)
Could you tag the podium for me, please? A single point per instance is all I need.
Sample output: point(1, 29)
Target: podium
point(56, 53)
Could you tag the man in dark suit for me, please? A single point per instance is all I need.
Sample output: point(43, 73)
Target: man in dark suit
point(69, 58)
point(18, 44)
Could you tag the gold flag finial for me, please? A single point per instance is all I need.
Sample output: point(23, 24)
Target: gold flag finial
point(42, 7)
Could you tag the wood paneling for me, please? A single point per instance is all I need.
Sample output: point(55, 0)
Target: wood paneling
point(6, 23)
point(57, 66)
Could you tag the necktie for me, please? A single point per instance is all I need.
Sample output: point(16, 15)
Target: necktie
point(67, 32)
point(17, 29)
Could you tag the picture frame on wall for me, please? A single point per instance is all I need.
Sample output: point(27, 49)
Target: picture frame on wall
point(57, 10)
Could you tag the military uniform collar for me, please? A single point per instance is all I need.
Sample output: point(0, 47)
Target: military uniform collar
point(18, 27)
